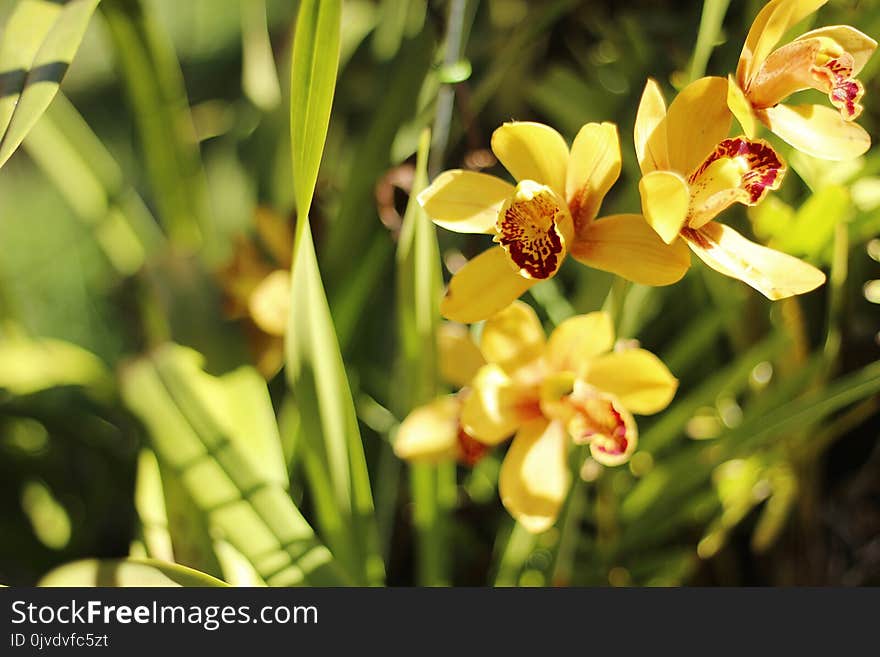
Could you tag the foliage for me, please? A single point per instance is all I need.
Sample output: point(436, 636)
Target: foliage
point(219, 300)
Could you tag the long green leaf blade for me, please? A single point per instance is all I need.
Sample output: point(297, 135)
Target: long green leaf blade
point(312, 84)
point(157, 96)
point(418, 293)
point(333, 452)
point(39, 43)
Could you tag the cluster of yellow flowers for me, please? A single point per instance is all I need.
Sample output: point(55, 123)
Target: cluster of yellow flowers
point(575, 387)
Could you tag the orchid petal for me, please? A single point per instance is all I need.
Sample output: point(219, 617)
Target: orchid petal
point(626, 245)
point(639, 379)
point(465, 201)
point(430, 432)
point(496, 405)
point(817, 130)
point(698, 119)
point(769, 26)
point(593, 167)
point(535, 477)
point(513, 337)
point(774, 274)
point(579, 339)
point(665, 200)
point(485, 285)
point(650, 130)
point(459, 358)
point(532, 151)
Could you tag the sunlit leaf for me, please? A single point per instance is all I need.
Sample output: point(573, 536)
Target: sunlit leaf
point(149, 500)
point(29, 365)
point(192, 432)
point(39, 43)
point(127, 572)
point(312, 84)
point(155, 89)
point(332, 448)
point(708, 35)
point(418, 295)
point(259, 77)
point(49, 519)
point(80, 166)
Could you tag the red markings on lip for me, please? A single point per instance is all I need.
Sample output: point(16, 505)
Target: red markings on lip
point(528, 232)
point(844, 91)
point(764, 171)
point(470, 450)
point(600, 419)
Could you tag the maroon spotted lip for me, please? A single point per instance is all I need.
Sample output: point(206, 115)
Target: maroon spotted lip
point(765, 167)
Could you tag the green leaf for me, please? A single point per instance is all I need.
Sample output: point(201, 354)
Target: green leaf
point(391, 26)
point(809, 231)
point(194, 433)
point(29, 365)
point(333, 453)
point(419, 283)
point(149, 500)
point(157, 96)
point(312, 83)
point(708, 36)
point(127, 572)
point(359, 18)
point(49, 519)
point(670, 426)
point(237, 570)
point(73, 158)
point(804, 412)
point(357, 219)
point(259, 77)
point(39, 43)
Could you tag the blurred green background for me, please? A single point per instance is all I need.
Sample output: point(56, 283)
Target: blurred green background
point(764, 471)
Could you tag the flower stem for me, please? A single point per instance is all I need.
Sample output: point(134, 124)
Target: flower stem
point(572, 515)
point(446, 95)
point(616, 300)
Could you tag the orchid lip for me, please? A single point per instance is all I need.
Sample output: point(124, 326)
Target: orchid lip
point(530, 229)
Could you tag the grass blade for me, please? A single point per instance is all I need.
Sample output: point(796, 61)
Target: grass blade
point(312, 84)
point(332, 448)
point(40, 40)
point(418, 292)
point(157, 96)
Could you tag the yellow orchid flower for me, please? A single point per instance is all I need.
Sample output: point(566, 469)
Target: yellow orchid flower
point(550, 212)
point(826, 59)
point(691, 172)
point(433, 432)
point(548, 394)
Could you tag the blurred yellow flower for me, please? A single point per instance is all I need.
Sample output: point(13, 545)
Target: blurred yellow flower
point(826, 59)
point(691, 172)
point(433, 432)
point(550, 212)
point(547, 393)
point(256, 286)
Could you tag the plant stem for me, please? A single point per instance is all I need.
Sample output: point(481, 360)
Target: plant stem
point(710, 27)
point(446, 95)
point(616, 300)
